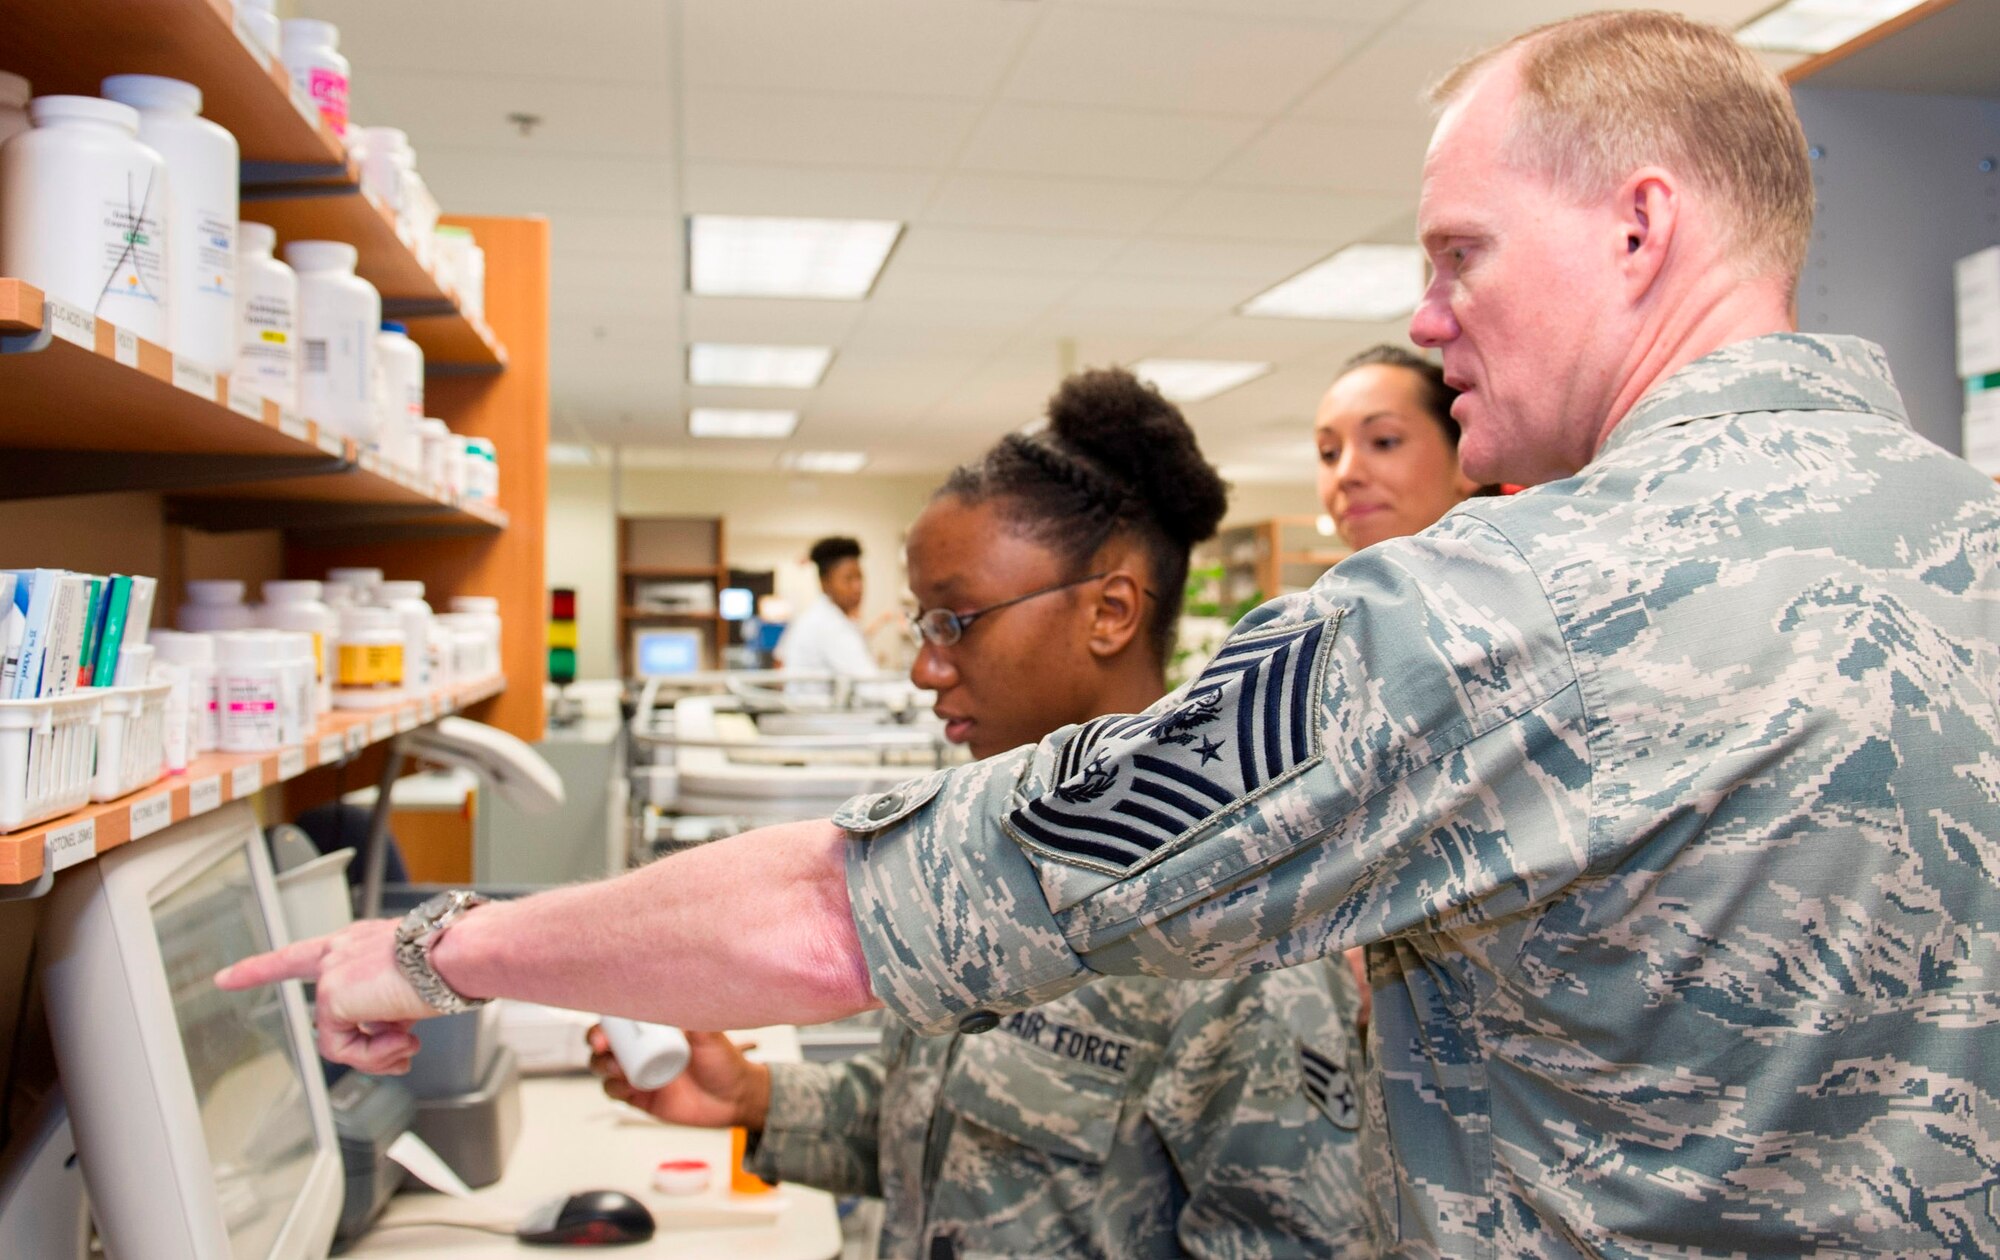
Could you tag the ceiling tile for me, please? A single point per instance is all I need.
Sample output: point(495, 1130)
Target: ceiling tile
point(1385, 81)
point(1226, 64)
point(1112, 207)
point(844, 131)
point(471, 111)
point(918, 47)
point(485, 182)
point(1261, 214)
point(757, 320)
point(813, 192)
point(1101, 143)
point(966, 291)
point(1249, 262)
point(1368, 157)
point(927, 245)
point(606, 40)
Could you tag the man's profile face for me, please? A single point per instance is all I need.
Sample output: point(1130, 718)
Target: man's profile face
point(1524, 300)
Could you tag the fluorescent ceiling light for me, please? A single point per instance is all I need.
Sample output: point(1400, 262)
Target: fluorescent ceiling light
point(571, 455)
point(787, 258)
point(768, 367)
point(1815, 26)
point(1365, 283)
point(824, 461)
point(730, 422)
point(1196, 380)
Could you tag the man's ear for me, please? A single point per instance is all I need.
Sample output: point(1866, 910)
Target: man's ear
point(1117, 612)
point(1649, 216)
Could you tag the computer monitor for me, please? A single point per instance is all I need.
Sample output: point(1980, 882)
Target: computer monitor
point(664, 653)
point(201, 1117)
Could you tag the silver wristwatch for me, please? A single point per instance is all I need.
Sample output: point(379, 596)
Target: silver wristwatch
point(415, 937)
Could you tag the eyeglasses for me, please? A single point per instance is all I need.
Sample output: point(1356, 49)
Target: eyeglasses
point(941, 627)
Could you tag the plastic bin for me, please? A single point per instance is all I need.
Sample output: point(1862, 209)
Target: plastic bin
point(45, 757)
point(131, 739)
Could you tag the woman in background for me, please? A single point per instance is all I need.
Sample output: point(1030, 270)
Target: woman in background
point(1136, 1117)
point(1388, 447)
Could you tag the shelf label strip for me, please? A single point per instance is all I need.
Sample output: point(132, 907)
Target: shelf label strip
point(291, 762)
point(246, 780)
point(68, 845)
point(72, 324)
point(155, 813)
point(125, 348)
point(204, 795)
point(194, 378)
point(332, 748)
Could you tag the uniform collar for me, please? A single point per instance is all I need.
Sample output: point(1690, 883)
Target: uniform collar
point(1780, 372)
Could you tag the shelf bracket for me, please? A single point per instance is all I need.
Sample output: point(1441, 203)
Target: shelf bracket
point(27, 473)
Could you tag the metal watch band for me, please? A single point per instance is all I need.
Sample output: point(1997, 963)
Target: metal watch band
point(415, 937)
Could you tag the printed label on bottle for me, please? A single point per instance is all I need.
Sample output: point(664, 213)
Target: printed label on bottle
point(329, 93)
point(135, 247)
point(319, 657)
point(250, 716)
point(266, 356)
point(378, 666)
point(215, 253)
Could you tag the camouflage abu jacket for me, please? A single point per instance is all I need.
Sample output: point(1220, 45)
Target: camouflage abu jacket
point(1667, 797)
point(1137, 1117)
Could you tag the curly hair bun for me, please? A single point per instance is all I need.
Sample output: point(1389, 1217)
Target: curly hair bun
point(1123, 427)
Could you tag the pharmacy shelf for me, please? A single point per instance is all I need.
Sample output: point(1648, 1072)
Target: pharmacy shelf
point(91, 408)
point(31, 857)
point(452, 339)
point(68, 48)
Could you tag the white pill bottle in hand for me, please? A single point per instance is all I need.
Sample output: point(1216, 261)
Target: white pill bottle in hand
point(650, 1054)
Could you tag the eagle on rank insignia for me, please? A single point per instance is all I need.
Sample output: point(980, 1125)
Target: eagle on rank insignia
point(1128, 789)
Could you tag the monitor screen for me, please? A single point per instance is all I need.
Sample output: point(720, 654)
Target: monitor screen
point(249, 1085)
point(659, 653)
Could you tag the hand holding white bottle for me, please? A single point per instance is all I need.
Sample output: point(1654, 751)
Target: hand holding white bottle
point(650, 1054)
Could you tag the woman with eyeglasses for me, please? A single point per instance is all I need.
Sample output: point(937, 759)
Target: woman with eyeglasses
point(1141, 1116)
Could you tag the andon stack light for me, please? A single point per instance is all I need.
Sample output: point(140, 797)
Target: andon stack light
point(562, 636)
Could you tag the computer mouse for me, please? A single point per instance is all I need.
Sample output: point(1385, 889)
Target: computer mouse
point(588, 1218)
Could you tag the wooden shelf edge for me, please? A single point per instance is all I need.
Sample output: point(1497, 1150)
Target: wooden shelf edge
point(263, 427)
point(216, 778)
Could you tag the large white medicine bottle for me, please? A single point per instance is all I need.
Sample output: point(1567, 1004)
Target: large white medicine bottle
point(339, 314)
point(267, 312)
point(203, 169)
point(83, 213)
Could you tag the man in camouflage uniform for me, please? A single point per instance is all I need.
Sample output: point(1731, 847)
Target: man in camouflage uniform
point(1135, 1117)
point(1666, 795)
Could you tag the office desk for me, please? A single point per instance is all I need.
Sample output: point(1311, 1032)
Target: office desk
point(574, 1138)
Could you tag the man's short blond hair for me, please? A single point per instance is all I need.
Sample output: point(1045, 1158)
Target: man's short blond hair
point(1607, 93)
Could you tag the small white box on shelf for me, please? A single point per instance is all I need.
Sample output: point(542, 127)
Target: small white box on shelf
point(1982, 423)
point(45, 757)
point(131, 739)
point(1977, 281)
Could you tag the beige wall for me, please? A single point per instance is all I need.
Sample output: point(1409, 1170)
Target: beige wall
point(771, 519)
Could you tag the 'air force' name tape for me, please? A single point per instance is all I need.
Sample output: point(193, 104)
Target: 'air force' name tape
point(1069, 1042)
point(1128, 788)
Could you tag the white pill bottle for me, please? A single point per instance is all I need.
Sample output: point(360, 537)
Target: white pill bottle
point(296, 606)
point(650, 1054)
point(84, 214)
point(203, 168)
point(267, 312)
point(312, 57)
point(406, 600)
point(339, 314)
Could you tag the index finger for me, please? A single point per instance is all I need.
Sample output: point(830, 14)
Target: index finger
point(298, 961)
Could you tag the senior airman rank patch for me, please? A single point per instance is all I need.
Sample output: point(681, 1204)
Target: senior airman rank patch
point(1330, 1088)
point(1128, 788)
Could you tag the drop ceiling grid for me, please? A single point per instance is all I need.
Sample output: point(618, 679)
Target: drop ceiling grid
point(1082, 180)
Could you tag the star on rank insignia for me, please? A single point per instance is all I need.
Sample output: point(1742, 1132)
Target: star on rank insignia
point(1330, 1088)
point(1127, 788)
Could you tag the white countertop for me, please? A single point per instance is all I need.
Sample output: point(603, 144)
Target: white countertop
point(574, 1138)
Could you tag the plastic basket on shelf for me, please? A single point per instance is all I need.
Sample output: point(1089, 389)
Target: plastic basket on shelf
point(45, 757)
point(131, 739)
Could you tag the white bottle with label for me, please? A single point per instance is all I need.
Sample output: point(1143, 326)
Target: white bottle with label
point(319, 72)
point(196, 654)
point(406, 600)
point(339, 315)
point(296, 606)
point(84, 216)
point(203, 167)
point(400, 382)
point(14, 93)
point(370, 659)
point(214, 605)
point(250, 681)
point(388, 164)
point(483, 613)
point(267, 306)
point(258, 19)
point(649, 1054)
point(299, 712)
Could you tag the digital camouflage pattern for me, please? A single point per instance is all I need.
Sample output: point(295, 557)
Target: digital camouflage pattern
point(1667, 797)
point(1137, 1117)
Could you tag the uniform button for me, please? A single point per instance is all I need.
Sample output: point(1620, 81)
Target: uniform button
point(885, 806)
point(979, 1022)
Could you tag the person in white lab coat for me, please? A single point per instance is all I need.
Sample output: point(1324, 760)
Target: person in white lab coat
point(824, 638)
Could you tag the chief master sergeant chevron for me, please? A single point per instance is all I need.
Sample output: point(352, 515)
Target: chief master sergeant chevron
point(1665, 796)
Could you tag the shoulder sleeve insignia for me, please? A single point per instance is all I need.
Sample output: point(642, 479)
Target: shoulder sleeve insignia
point(1125, 789)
